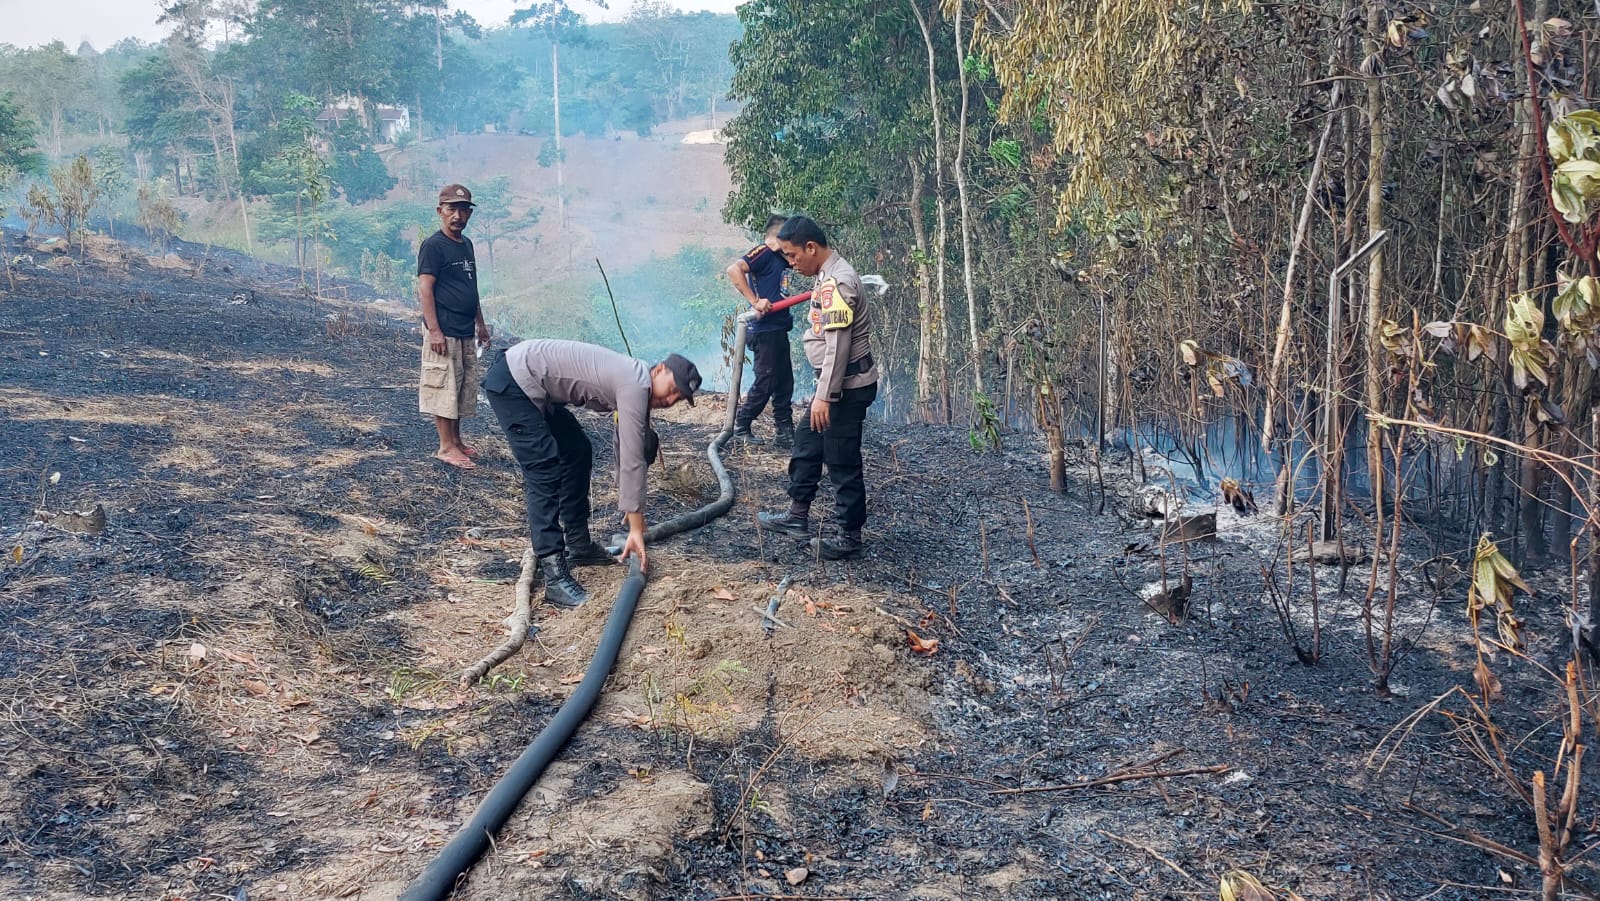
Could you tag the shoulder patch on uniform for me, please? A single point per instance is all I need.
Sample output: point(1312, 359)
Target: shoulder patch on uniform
point(756, 252)
point(829, 309)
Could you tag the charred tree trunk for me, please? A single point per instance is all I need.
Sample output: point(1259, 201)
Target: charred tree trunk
point(1377, 160)
point(1276, 396)
point(1521, 262)
point(1594, 504)
point(1536, 481)
point(1562, 536)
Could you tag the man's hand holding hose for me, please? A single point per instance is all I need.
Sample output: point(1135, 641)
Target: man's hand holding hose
point(635, 541)
point(767, 306)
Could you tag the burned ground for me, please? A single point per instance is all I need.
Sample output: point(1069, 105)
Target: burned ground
point(244, 685)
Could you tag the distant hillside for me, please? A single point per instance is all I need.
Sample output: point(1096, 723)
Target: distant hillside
point(628, 197)
point(649, 208)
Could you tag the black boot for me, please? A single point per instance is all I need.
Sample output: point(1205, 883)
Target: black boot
point(743, 433)
point(560, 588)
point(585, 551)
point(785, 436)
point(795, 523)
point(845, 545)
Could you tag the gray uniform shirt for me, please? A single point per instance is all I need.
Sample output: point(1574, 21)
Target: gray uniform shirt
point(586, 375)
point(840, 332)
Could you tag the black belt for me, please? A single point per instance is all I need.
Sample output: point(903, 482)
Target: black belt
point(855, 368)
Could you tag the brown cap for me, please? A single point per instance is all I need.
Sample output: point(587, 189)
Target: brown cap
point(455, 194)
point(685, 373)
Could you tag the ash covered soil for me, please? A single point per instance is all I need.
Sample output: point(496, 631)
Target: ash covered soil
point(245, 684)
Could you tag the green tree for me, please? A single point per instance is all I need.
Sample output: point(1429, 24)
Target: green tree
point(68, 198)
point(99, 94)
point(18, 153)
point(17, 157)
point(837, 121)
point(161, 124)
point(376, 241)
point(295, 180)
point(157, 215)
point(493, 219)
point(682, 51)
point(212, 96)
point(376, 51)
point(50, 82)
point(111, 182)
point(556, 20)
point(356, 169)
point(329, 48)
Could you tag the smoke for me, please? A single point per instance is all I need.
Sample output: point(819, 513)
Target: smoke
point(649, 208)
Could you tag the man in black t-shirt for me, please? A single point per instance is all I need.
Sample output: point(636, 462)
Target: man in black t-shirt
point(447, 289)
point(758, 277)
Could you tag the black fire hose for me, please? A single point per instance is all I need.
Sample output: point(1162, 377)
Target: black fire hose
point(694, 519)
point(455, 858)
point(438, 880)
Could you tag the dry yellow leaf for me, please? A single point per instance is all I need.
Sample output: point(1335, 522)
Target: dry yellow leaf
point(1237, 885)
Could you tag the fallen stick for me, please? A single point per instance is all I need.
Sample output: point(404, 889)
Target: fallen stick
point(1146, 764)
point(1142, 766)
point(951, 776)
point(1113, 779)
point(1032, 548)
point(517, 622)
point(1466, 836)
point(1148, 850)
point(782, 744)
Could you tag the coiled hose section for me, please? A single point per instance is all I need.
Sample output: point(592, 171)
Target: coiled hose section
point(438, 880)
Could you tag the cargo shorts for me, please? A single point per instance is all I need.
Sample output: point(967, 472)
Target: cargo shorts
point(447, 389)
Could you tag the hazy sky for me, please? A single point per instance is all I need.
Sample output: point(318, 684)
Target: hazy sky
point(28, 23)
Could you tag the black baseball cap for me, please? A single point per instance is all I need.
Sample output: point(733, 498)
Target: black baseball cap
point(685, 373)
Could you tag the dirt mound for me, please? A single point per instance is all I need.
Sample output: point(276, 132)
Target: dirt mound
point(710, 409)
point(835, 679)
point(614, 843)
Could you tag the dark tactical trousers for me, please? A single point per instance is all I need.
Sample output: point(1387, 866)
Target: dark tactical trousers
point(774, 380)
point(554, 453)
point(839, 447)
